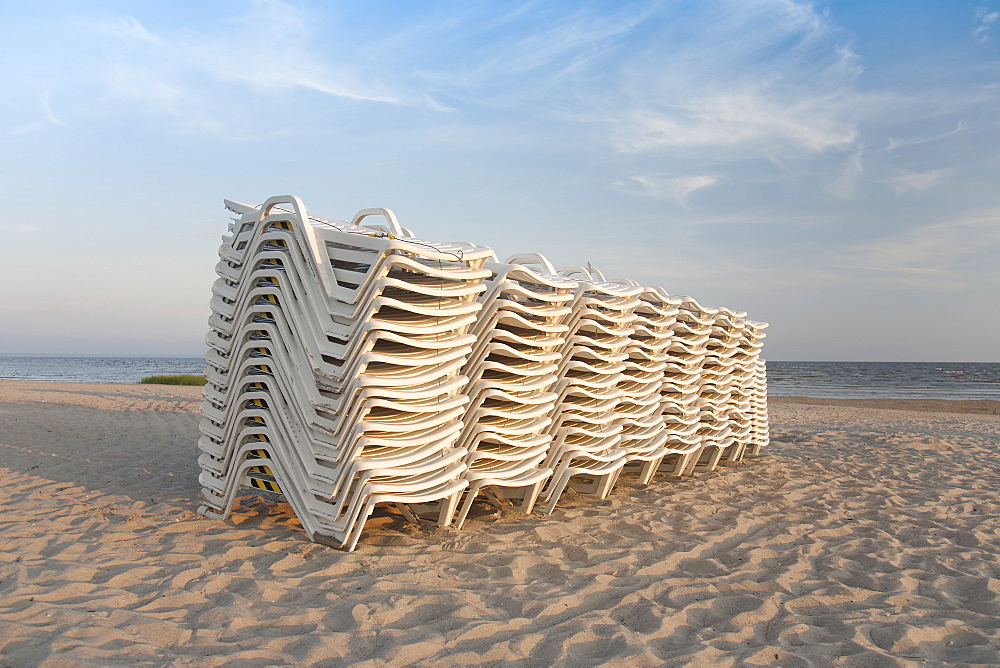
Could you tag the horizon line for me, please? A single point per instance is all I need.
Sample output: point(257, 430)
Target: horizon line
point(781, 361)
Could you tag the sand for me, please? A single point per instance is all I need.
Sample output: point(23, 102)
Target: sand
point(863, 536)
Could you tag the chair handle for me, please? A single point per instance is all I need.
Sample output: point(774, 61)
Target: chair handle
point(595, 272)
point(298, 207)
point(394, 227)
point(568, 272)
point(623, 281)
point(322, 266)
point(532, 258)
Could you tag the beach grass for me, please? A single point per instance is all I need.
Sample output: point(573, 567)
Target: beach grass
point(180, 379)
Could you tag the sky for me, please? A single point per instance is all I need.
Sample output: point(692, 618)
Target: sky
point(830, 167)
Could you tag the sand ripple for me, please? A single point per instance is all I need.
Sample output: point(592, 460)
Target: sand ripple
point(861, 537)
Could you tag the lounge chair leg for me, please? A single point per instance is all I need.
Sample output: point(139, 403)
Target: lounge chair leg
point(407, 513)
point(678, 464)
point(555, 491)
point(496, 499)
point(647, 471)
point(692, 461)
point(466, 505)
point(530, 496)
point(713, 458)
point(359, 526)
point(447, 512)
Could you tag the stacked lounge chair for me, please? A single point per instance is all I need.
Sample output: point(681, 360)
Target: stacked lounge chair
point(681, 387)
point(353, 364)
point(757, 382)
point(521, 331)
point(587, 428)
point(333, 367)
point(645, 434)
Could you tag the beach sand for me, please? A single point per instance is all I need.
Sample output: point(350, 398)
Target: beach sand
point(866, 534)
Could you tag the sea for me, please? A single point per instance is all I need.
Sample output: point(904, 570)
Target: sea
point(91, 369)
point(859, 380)
point(897, 380)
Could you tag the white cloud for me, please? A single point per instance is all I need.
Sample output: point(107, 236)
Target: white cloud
point(846, 185)
point(26, 109)
point(908, 182)
point(730, 119)
point(125, 27)
point(280, 56)
point(986, 18)
point(270, 50)
point(775, 75)
point(669, 188)
point(555, 47)
point(43, 101)
point(937, 255)
point(894, 144)
point(536, 55)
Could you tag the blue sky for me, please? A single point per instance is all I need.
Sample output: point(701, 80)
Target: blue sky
point(830, 167)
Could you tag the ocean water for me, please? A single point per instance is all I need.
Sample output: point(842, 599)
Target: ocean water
point(859, 380)
point(96, 369)
point(937, 380)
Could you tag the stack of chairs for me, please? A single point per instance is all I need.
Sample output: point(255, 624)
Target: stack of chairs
point(352, 364)
point(758, 388)
point(729, 329)
point(334, 367)
point(586, 452)
point(743, 339)
point(715, 393)
point(713, 388)
point(644, 432)
point(521, 331)
point(681, 388)
point(730, 398)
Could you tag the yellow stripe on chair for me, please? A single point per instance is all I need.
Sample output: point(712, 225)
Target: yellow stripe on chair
point(265, 484)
